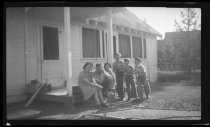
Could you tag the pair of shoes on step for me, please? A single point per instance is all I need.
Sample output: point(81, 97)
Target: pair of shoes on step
point(148, 96)
point(105, 99)
point(122, 99)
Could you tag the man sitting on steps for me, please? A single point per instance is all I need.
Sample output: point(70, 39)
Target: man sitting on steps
point(104, 79)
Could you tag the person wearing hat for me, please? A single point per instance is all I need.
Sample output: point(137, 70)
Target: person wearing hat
point(141, 79)
point(129, 80)
point(118, 68)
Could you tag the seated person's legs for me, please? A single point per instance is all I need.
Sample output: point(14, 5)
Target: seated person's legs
point(128, 89)
point(96, 97)
point(106, 86)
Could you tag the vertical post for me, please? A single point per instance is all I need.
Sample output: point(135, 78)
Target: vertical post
point(110, 56)
point(188, 45)
point(67, 41)
point(26, 42)
point(117, 43)
point(131, 45)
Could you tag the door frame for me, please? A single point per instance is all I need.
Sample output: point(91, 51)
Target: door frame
point(42, 23)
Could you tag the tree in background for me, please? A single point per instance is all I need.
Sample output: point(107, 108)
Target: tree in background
point(189, 20)
point(165, 55)
point(188, 23)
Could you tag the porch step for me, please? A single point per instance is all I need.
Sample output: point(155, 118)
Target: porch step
point(55, 98)
point(58, 95)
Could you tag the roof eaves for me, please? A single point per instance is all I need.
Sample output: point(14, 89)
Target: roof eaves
point(139, 21)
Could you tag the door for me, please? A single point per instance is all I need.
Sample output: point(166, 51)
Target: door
point(51, 64)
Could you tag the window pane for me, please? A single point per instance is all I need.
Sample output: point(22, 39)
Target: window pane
point(124, 46)
point(137, 47)
point(114, 46)
point(50, 43)
point(145, 48)
point(90, 43)
point(103, 44)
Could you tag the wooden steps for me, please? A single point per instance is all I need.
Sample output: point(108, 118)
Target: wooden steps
point(57, 95)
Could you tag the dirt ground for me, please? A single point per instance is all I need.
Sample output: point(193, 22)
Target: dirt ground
point(180, 95)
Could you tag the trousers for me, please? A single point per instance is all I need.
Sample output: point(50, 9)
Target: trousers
point(130, 86)
point(119, 80)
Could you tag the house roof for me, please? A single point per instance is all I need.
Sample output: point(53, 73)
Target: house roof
point(91, 12)
point(120, 16)
point(128, 19)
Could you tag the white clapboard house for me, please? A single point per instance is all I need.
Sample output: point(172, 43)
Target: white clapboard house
point(55, 42)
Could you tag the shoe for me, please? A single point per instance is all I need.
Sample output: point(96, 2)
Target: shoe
point(118, 99)
point(104, 105)
point(135, 100)
point(105, 99)
point(128, 99)
point(148, 96)
point(122, 99)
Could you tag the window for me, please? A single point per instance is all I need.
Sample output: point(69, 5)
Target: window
point(90, 43)
point(50, 43)
point(145, 48)
point(114, 46)
point(124, 46)
point(137, 47)
point(103, 44)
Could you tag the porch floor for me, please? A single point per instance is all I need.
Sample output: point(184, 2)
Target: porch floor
point(57, 92)
point(56, 95)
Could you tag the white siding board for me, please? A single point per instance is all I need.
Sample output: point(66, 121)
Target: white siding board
point(15, 55)
point(152, 58)
point(16, 46)
point(15, 24)
point(31, 47)
point(16, 98)
point(76, 48)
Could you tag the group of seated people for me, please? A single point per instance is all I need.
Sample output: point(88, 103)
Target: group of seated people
point(99, 82)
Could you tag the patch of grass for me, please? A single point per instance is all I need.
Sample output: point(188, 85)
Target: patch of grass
point(183, 95)
point(170, 76)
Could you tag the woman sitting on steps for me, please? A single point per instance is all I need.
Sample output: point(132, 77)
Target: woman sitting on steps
point(89, 87)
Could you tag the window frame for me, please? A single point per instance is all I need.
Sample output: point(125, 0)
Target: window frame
point(141, 45)
point(115, 33)
point(129, 42)
point(58, 47)
point(131, 36)
point(144, 47)
point(40, 25)
point(100, 39)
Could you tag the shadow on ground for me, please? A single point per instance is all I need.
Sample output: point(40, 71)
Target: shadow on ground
point(122, 106)
point(52, 110)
